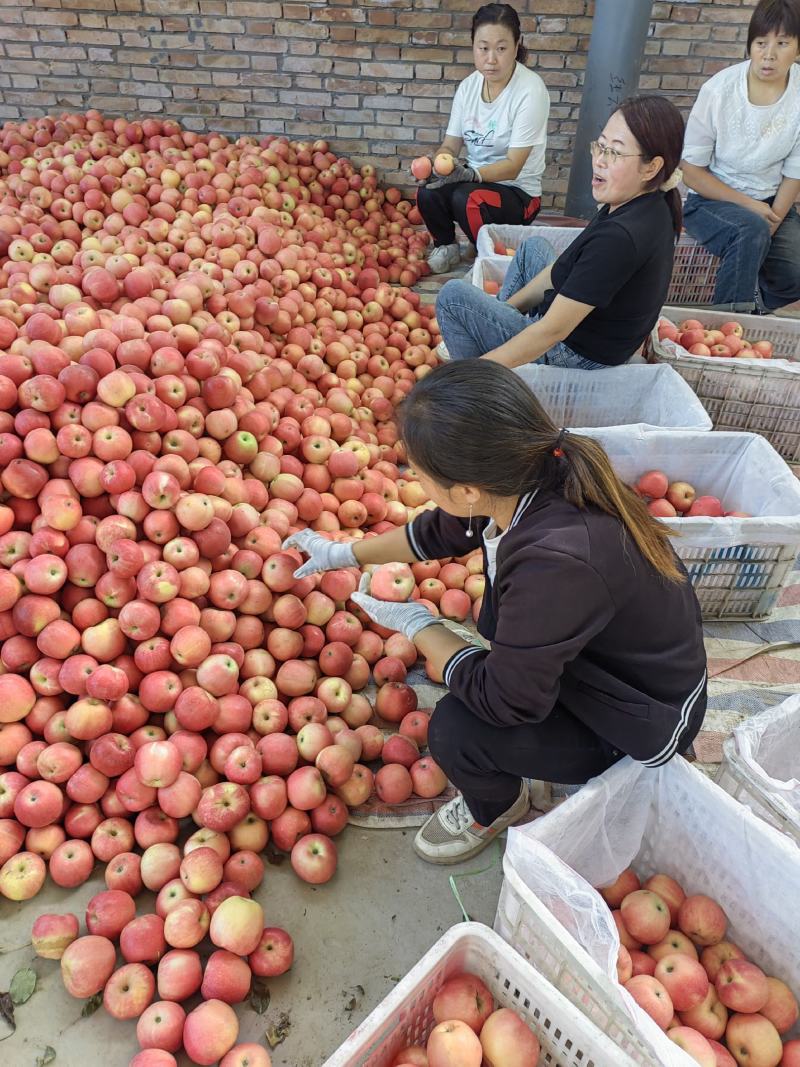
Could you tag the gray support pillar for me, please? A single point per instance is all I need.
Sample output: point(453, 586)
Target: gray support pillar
point(616, 48)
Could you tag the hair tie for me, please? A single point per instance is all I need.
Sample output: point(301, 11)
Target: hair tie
point(673, 181)
point(558, 451)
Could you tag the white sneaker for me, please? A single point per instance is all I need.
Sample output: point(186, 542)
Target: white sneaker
point(452, 835)
point(441, 352)
point(444, 258)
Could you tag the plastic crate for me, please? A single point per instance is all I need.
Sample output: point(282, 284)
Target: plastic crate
point(761, 766)
point(560, 237)
point(737, 566)
point(648, 396)
point(759, 395)
point(694, 269)
point(672, 820)
point(694, 273)
point(405, 1016)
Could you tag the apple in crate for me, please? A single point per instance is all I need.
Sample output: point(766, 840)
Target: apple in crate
point(454, 1044)
point(507, 1041)
point(464, 997)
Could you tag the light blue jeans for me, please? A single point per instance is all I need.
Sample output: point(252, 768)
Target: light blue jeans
point(473, 323)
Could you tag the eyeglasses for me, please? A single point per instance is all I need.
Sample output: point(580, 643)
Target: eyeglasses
point(611, 155)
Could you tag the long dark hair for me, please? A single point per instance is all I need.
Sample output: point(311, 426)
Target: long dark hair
point(658, 127)
point(501, 15)
point(774, 16)
point(475, 422)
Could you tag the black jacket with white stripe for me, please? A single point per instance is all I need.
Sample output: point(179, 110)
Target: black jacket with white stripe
point(576, 616)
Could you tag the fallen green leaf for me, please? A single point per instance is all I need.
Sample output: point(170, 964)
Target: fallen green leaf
point(259, 996)
point(91, 1005)
point(278, 1032)
point(46, 1057)
point(23, 985)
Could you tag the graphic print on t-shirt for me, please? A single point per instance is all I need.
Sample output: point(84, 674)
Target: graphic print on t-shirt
point(473, 135)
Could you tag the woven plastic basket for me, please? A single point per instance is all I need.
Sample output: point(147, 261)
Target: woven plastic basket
point(618, 396)
point(761, 766)
point(694, 273)
point(762, 395)
point(671, 820)
point(738, 566)
point(405, 1016)
point(694, 269)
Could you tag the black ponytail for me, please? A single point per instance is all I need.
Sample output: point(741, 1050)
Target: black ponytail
point(658, 127)
point(501, 15)
point(475, 422)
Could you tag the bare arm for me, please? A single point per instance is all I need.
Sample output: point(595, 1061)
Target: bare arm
point(389, 547)
point(437, 644)
point(702, 181)
point(788, 192)
point(505, 170)
point(561, 319)
point(532, 294)
point(453, 145)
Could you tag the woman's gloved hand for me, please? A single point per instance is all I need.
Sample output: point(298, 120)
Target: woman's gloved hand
point(407, 618)
point(323, 555)
point(460, 173)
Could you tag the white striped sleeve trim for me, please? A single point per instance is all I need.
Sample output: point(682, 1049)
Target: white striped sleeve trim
point(413, 542)
point(669, 750)
point(459, 657)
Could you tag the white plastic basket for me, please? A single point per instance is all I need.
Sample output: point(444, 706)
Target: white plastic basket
point(737, 566)
point(672, 820)
point(761, 766)
point(489, 269)
point(760, 395)
point(511, 237)
point(405, 1016)
point(635, 395)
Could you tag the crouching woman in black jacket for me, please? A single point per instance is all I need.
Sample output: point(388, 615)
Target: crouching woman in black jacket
point(596, 638)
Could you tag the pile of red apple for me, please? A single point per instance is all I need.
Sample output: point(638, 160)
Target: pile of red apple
point(670, 500)
point(470, 1032)
point(726, 342)
point(168, 939)
point(201, 350)
point(674, 960)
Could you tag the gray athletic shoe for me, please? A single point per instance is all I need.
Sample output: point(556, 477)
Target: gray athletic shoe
point(444, 258)
point(452, 835)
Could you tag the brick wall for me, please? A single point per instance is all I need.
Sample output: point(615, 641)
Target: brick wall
point(376, 77)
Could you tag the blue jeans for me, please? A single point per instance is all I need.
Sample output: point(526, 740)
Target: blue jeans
point(756, 269)
point(473, 323)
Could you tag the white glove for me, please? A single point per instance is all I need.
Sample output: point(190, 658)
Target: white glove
point(407, 618)
point(323, 555)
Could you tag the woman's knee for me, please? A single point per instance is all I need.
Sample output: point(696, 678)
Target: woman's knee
point(447, 730)
point(458, 292)
point(534, 254)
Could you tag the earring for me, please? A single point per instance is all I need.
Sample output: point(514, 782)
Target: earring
point(469, 527)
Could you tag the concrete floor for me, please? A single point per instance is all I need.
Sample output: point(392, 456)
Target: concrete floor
point(367, 927)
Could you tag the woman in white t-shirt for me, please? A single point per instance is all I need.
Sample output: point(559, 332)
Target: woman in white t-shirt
point(499, 116)
point(741, 159)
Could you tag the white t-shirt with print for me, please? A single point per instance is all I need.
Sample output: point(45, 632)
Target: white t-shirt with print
point(750, 147)
point(516, 119)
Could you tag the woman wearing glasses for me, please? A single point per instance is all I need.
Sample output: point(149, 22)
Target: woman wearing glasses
point(592, 306)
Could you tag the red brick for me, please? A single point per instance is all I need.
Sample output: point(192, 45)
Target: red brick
point(226, 61)
point(205, 24)
point(297, 11)
point(382, 18)
point(47, 18)
point(339, 14)
point(301, 29)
